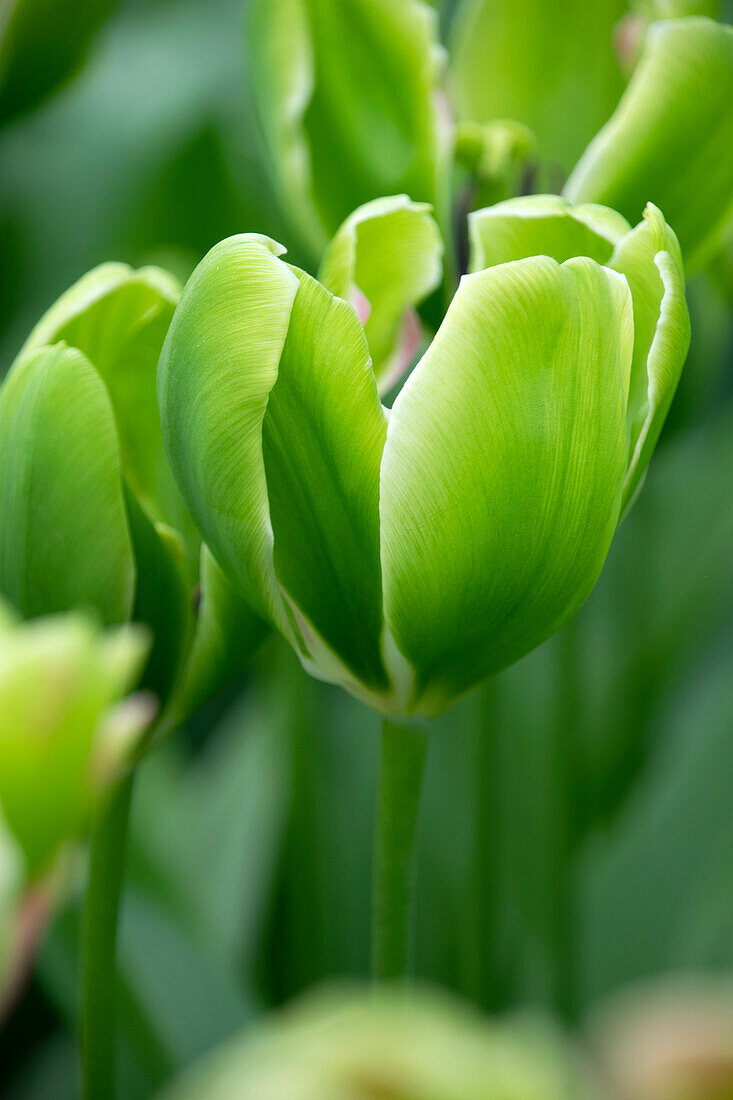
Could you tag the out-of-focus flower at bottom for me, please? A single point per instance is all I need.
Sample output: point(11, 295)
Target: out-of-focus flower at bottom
point(669, 1041)
point(388, 1046)
point(65, 729)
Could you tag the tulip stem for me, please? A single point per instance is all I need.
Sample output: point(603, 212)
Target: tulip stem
point(99, 939)
point(404, 748)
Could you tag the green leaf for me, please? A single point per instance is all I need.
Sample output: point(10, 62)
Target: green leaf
point(548, 64)
point(118, 318)
point(41, 44)
point(275, 432)
point(346, 99)
point(502, 472)
point(162, 600)
point(542, 225)
point(385, 260)
point(649, 257)
point(64, 536)
point(228, 633)
point(670, 140)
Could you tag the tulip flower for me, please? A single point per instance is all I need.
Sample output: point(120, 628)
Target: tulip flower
point(406, 554)
point(347, 100)
point(65, 733)
point(350, 1046)
point(90, 516)
point(91, 519)
point(670, 139)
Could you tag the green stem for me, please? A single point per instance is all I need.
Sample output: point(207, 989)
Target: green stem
point(99, 938)
point(403, 759)
point(569, 792)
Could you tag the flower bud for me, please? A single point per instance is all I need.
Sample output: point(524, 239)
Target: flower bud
point(669, 1042)
point(90, 515)
point(349, 1046)
point(408, 553)
point(64, 731)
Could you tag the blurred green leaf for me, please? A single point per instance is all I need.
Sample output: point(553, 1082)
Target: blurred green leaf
point(42, 43)
point(548, 64)
point(346, 99)
point(227, 635)
point(670, 141)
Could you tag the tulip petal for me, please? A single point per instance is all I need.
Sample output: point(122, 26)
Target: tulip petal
point(275, 432)
point(118, 318)
point(218, 365)
point(346, 99)
point(649, 257)
point(323, 438)
point(64, 537)
point(503, 467)
point(542, 225)
point(670, 140)
point(390, 251)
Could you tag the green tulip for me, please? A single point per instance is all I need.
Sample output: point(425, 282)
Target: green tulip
point(64, 732)
point(346, 96)
point(671, 138)
point(549, 64)
point(350, 1046)
point(386, 259)
point(407, 554)
point(90, 515)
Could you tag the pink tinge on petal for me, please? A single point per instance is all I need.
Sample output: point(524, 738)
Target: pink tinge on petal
point(30, 924)
point(407, 348)
point(360, 302)
point(628, 39)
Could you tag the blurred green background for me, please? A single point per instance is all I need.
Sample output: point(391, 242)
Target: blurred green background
point(577, 826)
